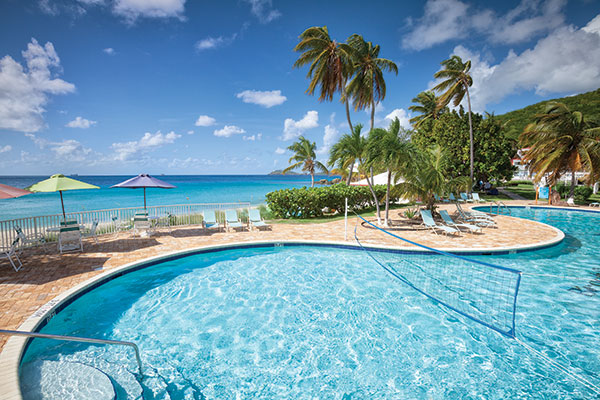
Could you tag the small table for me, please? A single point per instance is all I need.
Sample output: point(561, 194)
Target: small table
point(57, 228)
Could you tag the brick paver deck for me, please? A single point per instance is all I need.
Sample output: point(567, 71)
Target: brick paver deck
point(44, 276)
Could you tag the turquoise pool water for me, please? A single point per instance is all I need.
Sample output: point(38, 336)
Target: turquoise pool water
point(327, 323)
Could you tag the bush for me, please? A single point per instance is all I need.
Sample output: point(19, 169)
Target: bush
point(582, 193)
point(516, 182)
point(310, 202)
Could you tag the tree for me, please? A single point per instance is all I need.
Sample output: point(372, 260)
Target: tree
point(367, 87)
point(330, 64)
point(349, 150)
point(426, 103)
point(387, 149)
point(455, 84)
point(424, 177)
point(305, 157)
point(560, 141)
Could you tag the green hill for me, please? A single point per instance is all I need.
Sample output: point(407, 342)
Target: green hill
point(588, 103)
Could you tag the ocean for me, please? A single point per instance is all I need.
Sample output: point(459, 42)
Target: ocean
point(190, 189)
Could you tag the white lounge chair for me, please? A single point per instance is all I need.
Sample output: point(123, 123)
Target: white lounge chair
point(209, 220)
point(571, 202)
point(430, 223)
point(450, 222)
point(91, 232)
point(476, 198)
point(31, 239)
point(465, 198)
point(479, 220)
point(256, 220)
point(232, 220)
point(11, 255)
point(69, 238)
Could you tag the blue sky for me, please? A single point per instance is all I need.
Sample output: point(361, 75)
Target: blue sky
point(206, 87)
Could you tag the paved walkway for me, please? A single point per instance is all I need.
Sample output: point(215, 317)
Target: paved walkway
point(46, 274)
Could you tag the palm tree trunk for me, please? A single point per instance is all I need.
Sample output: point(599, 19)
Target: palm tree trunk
point(573, 180)
point(348, 116)
point(387, 198)
point(470, 138)
point(370, 183)
point(372, 114)
point(350, 174)
point(312, 179)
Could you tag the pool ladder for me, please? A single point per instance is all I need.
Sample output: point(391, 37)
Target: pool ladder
point(78, 339)
point(498, 204)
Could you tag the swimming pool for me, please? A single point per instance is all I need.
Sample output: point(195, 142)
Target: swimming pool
point(317, 322)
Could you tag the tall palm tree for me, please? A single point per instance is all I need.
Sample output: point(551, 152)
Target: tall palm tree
point(305, 157)
point(455, 85)
point(367, 87)
point(561, 141)
point(389, 151)
point(425, 176)
point(426, 104)
point(330, 64)
point(349, 150)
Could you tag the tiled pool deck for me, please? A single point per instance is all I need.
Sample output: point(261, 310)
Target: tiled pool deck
point(47, 274)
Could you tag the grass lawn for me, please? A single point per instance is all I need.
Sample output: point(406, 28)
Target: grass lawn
point(522, 189)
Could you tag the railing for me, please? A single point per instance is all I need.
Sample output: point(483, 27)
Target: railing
point(110, 219)
point(498, 204)
point(79, 339)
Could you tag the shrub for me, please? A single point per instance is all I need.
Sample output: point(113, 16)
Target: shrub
point(582, 193)
point(309, 202)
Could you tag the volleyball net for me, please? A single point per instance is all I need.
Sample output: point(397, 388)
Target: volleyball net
point(483, 292)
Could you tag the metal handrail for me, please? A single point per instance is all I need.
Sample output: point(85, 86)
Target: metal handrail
point(78, 339)
point(498, 204)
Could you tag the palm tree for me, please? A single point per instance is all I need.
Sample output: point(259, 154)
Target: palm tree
point(367, 87)
point(426, 103)
point(348, 151)
point(560, 141)
point(455, 84)
point(424, 177)
point(330, 64)
point(305, 157)
point(387, 149)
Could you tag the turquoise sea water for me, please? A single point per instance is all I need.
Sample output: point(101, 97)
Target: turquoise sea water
point(190, 189)
point(308, 323)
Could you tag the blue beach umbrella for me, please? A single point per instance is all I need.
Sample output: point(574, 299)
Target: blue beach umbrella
point(143, 181)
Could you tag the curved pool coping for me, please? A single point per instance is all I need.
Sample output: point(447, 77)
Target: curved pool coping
point(15, 347)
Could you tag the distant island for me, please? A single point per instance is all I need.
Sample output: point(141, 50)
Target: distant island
point(280, 172)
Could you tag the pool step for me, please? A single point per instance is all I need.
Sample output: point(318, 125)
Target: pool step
point(63, 380)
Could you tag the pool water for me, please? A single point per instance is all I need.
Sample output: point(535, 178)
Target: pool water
point(327, 323)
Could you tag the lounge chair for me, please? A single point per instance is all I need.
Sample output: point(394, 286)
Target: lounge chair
point(11, 255)
point(571, 202)
point(209, 220)
point(450, 222)
point(465, 198)
point(594, 204)
point(452, 198)
point(120, 226)
point(232, 220)
point(69, 238)
point(437, 198)
point(476, 198)
point(31, 239)
point(256, 220)
point(479, 220)
point(430, 223)
point(91, 232)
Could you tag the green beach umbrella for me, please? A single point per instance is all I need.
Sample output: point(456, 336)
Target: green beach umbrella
point(58, 183)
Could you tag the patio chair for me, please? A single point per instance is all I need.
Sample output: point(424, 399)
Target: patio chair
point(120, 226)
point(450, 222)
point(209, 220)
point(452, 198)
point(164, 222)
point(476, 198)
point(31, 239)
point(232, 221)
point(430, 223)
point(256, 220)
point(91, 232)
point(11, 255)
point(142, 226)
point(69, 238)
point(465, 198)
point(479, 220)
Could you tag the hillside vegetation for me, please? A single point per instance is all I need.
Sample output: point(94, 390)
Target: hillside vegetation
point(588, 103)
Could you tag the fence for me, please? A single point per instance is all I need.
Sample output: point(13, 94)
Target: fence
point(109, 220)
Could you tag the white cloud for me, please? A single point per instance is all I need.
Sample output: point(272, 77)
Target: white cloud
point(279, 150)
point(79, 122)
point(205, 120)
point(6, 148)
point(24, 91)
point(212, 43)
point(124, 151)
point(266, 98)
point(66, 150)
point(134, 9)
point(252, 138)
point(566, 61)
point(445, 20)
point(229, 130)
point(330, 136)
point(402, 116)
point(190, 132)
point(110, 51)
point(292, 129)
point(263, 10)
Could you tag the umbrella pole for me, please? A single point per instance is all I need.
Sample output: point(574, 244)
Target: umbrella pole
point(144, 199)
point(63, 205)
